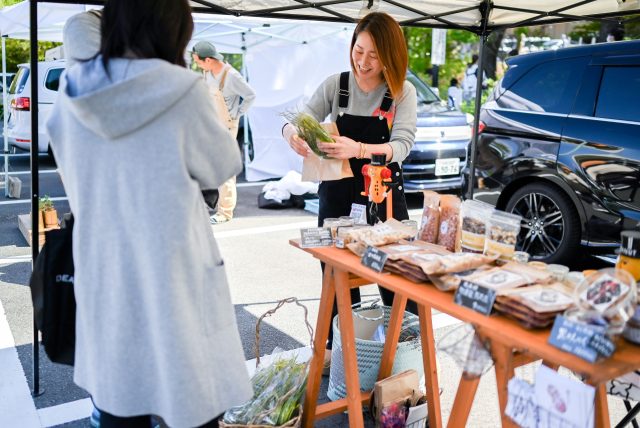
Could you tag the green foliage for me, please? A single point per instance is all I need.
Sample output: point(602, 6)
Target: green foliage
point(586, 31)
point(419, 47)
point(468, 106)
point(632, 29)
point(18, 52)
point(45, 203)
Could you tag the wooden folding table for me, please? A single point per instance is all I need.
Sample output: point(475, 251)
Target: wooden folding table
point(511, 345)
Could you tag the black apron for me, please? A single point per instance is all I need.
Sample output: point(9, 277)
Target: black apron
point(336, 196)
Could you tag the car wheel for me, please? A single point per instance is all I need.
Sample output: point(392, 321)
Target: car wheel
point(550, 229)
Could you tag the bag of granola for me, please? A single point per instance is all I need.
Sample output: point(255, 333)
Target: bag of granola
point(448, 235)
point(430, 217)
point(475, 215)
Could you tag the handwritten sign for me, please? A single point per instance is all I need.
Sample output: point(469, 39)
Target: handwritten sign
point(315, 237)
point(358, 213)
point(374, 258)
point(583, 340)
point(476, 297)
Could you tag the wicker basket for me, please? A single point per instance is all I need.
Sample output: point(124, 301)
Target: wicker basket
point(297, 420)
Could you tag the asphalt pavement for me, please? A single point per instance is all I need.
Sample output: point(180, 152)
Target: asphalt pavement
point(262, 269)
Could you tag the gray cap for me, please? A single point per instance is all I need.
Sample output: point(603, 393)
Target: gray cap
point(206, 50)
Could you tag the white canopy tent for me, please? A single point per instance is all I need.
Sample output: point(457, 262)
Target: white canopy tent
point(478, 16)
point(283, 60)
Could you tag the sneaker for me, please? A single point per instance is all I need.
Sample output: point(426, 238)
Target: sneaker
point(217, 219)
point(94, 419)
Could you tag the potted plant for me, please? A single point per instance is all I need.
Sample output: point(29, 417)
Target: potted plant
point(49, 212)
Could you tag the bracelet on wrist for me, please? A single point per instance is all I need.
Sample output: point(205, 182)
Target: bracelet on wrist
point(363, 150)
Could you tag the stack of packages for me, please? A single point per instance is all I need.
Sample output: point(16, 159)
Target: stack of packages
point(535, 306)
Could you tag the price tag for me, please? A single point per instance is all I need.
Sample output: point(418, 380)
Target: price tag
point(315, 237)
point(586, 341)
point(358, 213)
point(374, 258)
point(476, 297)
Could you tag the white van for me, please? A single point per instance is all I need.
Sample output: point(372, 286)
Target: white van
point(19, 121)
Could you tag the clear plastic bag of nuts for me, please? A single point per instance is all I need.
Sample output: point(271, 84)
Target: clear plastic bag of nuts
point(475, 216)
point(448, 234)
point(502, 234)
point(430, 217)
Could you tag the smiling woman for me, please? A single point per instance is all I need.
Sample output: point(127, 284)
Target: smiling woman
point(374, 109)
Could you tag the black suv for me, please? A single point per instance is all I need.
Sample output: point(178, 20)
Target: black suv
point(559, 144)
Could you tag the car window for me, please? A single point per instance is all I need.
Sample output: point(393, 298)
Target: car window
point(548, 87)
point(19, 81)
point(618, 97)
point(52, 81)
point(423, 93)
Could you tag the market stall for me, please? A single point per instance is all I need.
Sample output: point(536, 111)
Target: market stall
point(511, 344)
point(478, 16)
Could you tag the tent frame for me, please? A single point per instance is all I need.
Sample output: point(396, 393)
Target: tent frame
point(484, 29)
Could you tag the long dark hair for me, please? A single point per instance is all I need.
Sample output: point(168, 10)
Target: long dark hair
point(146, 29)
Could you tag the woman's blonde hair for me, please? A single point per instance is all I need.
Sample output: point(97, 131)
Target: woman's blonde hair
point(389, 42)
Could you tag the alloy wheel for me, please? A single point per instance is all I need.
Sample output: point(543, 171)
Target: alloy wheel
point(543, 225)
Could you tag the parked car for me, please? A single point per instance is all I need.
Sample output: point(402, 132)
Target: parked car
point(436, 160)
point(558, 145)
point(19, 121)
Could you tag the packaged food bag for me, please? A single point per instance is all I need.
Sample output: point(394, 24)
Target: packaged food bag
point(475, 215)
point(449, 219)
point(502, 234)
point(430, 217)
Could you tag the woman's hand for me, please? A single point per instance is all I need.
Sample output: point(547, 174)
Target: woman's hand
point(343, 148)
point(295, 142)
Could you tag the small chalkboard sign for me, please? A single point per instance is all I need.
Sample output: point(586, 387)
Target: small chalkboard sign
point(374, 258)
point(476, 297)
point(315, 237)
point(586, 341)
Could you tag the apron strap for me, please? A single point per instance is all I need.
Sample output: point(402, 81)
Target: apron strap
point(343, 92)
point(387, 100)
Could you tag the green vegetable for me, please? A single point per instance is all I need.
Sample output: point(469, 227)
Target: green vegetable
point(309, 130)
point(277, 393)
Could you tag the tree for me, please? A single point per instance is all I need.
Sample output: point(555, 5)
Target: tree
point(490, 55)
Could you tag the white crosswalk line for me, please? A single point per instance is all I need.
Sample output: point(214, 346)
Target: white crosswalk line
point(16, 404)
point(67, 412)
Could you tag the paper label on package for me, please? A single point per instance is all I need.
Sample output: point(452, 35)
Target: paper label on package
point(402, 248)
point(382, 229)
point(548, 297)
point(604, 293)
point(504, 251)
point(358, 213)
point(472, 241)
point(499, 279)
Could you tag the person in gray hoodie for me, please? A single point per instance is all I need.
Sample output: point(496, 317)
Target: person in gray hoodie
point(135, 145)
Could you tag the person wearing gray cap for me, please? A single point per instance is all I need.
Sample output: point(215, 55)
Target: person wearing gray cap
point(232, 97)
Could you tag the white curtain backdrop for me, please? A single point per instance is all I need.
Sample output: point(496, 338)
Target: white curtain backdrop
point(285, 76)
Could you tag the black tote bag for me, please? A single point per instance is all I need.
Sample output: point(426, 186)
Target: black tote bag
point(53, 297)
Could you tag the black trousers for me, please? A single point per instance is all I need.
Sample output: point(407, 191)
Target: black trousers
point(108, 420)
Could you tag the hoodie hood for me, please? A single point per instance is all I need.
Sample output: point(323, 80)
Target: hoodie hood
point(132, 94)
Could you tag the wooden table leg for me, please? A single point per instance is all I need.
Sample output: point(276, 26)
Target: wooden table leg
point(601, 407)
point(319, 343)
point(352, 377)
point(430, 366)
point(464, 400)
point(392, 335)
point(503, 356)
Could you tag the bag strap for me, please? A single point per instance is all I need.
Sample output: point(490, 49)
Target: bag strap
point(223, 78)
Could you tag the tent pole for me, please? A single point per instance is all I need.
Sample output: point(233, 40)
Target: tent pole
point(35, 185)
point(4, 117)
point(485, 9)
point(245, 120)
